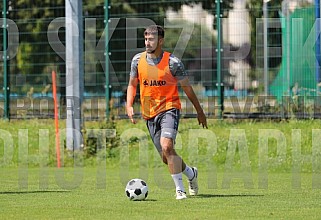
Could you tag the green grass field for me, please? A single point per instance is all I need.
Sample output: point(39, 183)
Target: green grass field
point(97, 190)
point(108, 201)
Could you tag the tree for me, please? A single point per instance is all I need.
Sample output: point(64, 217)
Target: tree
point(274, 37)
point(155, 11)
point(35, 56)
point(199, 53)
point(34, 53)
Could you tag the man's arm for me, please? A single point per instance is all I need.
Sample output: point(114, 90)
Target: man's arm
point(131, 93)
point(188, 89)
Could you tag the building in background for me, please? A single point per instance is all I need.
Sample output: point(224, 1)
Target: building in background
point(194, 14)
point(236, 32)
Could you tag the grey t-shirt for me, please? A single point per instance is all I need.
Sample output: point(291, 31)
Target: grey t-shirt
point(175, 65)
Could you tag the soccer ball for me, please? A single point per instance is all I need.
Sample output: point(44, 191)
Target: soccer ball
point(136, 189)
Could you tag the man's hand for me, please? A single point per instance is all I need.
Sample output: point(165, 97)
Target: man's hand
point(202, 119)
point(130, 113)
point(131, 93)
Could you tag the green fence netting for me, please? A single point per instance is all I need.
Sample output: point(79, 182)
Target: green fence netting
point(297, 72)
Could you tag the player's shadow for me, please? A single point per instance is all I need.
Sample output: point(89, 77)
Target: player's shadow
point(225, 196)
point(33, 192)
point(146, 200)
point(151, 200)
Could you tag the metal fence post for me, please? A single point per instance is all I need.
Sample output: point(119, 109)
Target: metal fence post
point(106, 20)
point(317, 45)
point(219, 51)
point(6, 88)
point(265, 44)
point(74, 74)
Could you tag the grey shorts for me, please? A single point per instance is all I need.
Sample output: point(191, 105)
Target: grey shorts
point(163, 125)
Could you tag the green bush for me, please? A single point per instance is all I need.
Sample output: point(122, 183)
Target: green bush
point(94, 143)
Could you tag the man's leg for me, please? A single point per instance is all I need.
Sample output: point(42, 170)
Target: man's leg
point(174, 161)
point(175, 165)
point(163, 130)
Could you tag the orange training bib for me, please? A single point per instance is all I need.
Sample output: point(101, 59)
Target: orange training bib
point(158, 87)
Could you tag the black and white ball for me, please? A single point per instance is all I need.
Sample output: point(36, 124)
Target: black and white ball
point(136, 189)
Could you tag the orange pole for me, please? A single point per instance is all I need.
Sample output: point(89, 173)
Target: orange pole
point(54, 93)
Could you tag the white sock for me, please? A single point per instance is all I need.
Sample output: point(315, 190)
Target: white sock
point(189, 172)
point(178, 180)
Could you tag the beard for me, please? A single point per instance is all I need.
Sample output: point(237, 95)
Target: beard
point(150, 50)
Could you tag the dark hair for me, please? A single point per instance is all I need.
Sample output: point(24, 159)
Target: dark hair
point(155, 29)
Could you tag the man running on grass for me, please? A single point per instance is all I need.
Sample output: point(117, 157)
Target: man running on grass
point(158, 73)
